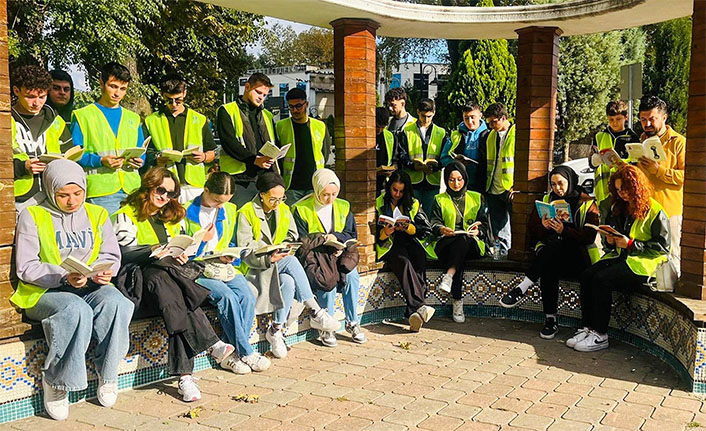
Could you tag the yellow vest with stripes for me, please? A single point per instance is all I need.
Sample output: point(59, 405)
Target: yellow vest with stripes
point(601, 176)
point(414, 147)
point(507, 159)
point(389, 145)
point(382, 249)
point(227, 163)
point(283, 220)
point(145, 233)
point(306, 208)
point(52, 140)
point(470, 212)
point(285, 133)
point(593, 252)
point(231, 217)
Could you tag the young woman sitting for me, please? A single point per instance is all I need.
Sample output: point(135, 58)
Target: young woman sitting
point(72, 306)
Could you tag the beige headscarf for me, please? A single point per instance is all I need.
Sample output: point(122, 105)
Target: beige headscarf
point(322, 178)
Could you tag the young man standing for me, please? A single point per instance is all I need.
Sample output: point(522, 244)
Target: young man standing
point(422, 141)
point(243, 128)
point(468, 133)
point(105, 130)
point(667, 178)
point(61, 94)
point(36, 129)
point(497, 169)
point(176, 127)
point(396, 100)
point(310, 146)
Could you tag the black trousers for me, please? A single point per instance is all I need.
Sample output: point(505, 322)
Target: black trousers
point(555, 259)
point(597, 285)
point(407, 260)
point(454, 251)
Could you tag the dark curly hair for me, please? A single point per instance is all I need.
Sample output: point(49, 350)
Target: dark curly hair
point(31, 77)
point(635, 183)
point(395, 94)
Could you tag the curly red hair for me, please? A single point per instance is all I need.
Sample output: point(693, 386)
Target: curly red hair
point(172, 212)
point(636, 185)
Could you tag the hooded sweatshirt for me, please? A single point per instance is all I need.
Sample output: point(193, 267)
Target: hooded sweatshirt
point(75, 236)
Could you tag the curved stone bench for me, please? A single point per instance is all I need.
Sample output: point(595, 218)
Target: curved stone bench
point(660, 324)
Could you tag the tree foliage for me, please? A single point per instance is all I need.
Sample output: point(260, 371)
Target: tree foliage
point(282, 46)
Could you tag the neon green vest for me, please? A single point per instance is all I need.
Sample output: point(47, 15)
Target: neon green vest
point(382, 249)
point(593, 252)
point(455, 140)
point(145, 233)
point(646, 263)
point(191, 227)
point(53, 144)
point(602, 174)
point(307, 211)
point(27, 295)
point(158, 126)
point(507, 158)
point(389, 145)
point(414, 147)
point(227, 163)
point(98, 138)
point(284, 218)
point(470, 211)
point(285, 133)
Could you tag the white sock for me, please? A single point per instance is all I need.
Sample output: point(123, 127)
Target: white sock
point(220, 345)
point(525, 284)
point(552, 316)
point(602, 337)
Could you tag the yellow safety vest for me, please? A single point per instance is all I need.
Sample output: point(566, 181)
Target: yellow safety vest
point(231, 217)
point(382, 249)
point(593, 252)
point(285, 133)
point(145, 233)
point(470, 212)
point(646, 263)
point(27, 295)
point(389, 145)
point(414, 147)
point(158, 126)
point(307, 211)
point(98, 138)
point(283, 220)
point(601, 176)
point(52, 140)
point(227, 163)
point(507, 158)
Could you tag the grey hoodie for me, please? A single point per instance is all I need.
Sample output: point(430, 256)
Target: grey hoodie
point(74, 233)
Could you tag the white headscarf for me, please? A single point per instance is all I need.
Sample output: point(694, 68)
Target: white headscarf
point(322, 178)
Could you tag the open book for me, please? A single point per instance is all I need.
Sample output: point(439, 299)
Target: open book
point(73, 265)
point(468, 231)
point(338, 245)
point(651, 148)
point(232, 252)
point(290, 247)
point(431, 163)
point(558, 208)
point(605, 229)
point(400, 221)
point(175, 156)
point(463, 158)
point(610, 158)
point(180, 244)
point(132, 153)
point(273, 151)
point(73, 154)
point(385, 168)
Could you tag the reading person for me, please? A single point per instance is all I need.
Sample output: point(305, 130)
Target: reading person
point(453, 221)
point(73, 308)
point(277, 275)
point(324, 213)
point(636, 242)
point(230, 292)
point(150, 216)
point(402, 245)
point(465, 141)
point(563, 249)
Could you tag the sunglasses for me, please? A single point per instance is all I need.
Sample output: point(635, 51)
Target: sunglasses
point(171, 194)
point(174, 100)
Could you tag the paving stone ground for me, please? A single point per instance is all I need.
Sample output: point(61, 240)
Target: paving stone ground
point(482, 375)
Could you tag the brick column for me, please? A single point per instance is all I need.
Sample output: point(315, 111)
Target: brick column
point(537, 62)
point(693, 240)
point(354, 137)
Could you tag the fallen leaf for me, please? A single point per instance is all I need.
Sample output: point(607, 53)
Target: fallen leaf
point(247, 398)
point(194, 413)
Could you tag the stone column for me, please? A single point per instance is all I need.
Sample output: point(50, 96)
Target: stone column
point(693, 239)
point(354, 136)
point(537, 62)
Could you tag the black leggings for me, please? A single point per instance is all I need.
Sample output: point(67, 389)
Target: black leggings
point(407, 260)
point(597, 285)
point(454, 251)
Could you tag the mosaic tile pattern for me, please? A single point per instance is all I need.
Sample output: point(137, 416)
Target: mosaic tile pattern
point(637, 319)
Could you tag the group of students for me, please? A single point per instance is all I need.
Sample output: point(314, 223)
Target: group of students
point(102, 210)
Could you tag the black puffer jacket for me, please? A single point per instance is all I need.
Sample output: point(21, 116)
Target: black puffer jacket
point(323, 269)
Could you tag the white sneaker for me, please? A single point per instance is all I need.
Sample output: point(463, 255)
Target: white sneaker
point(221, 350)
point(445, 285)
point(458, 314)
point(56, 402)
point(426, 312)
point(256, 362)
point(578, 336)
point(277, 342)
point(107, 392)
point(356, 333)
point(328, 338)
point(324, 321)
point(236, 365)
point(188, 389)
point(415, 322)
point(591, 343)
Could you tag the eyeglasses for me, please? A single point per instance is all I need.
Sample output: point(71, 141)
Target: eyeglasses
point(171, 194)
point(297, 106)
point(274, 201)
point(174, 100)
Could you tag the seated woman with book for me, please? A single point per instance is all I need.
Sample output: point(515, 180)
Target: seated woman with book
point(402, 234)
point(458, 220)
point(564, 247)
point(213, 214)
point(325, 215)
point(62, 231)
point(150, 216)
point(636, 239)
point(266, 227)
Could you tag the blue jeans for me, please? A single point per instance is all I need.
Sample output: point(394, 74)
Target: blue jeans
point(236, 310)
point(293, 283)
point(350, 297)
point(111, 202)
point(500, 212)
point(70, 319)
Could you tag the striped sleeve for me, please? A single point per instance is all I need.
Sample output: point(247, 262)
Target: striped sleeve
point(125, 230)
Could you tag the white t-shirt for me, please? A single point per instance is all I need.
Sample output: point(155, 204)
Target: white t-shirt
point(496, 187)
point(325, 214)
point(423, 132)
point(206, 217)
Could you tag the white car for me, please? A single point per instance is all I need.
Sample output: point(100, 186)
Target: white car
point(584, 171)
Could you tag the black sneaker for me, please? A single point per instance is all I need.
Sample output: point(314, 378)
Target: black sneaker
point(550, 329)
point(510, 299)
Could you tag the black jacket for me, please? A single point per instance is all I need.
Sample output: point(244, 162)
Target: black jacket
point(660, 235)
point(324, 270)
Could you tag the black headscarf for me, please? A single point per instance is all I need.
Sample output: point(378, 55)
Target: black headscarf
point(456, 166)
point(267, 181)
point(574, 190)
